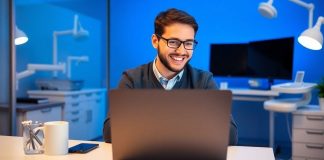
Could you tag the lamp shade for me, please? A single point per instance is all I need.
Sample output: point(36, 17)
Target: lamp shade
point(311, 38)
point(20, 37)
point(267, 10)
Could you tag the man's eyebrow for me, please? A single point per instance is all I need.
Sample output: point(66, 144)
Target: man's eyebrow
point(180, 39)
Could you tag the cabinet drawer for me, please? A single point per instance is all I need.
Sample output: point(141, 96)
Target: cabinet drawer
point(73, 114)
point(40, 115)
point(46, 114)
point(99, 95)
point(308, 121)
point(76, 127)
point(308, 135)
point(87, 96)
point(308, 150)
point(68, 107)
point(73, 98)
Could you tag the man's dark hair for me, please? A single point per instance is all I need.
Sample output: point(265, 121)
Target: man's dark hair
point(172, 16)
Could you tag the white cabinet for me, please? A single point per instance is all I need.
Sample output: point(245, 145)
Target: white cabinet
point(308, 134)
point(51, 111)
point(85, 110)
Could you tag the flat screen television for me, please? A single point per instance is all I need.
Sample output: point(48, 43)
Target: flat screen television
point(271, 59)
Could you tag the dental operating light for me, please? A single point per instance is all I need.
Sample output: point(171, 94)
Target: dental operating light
point(78, 32)
point(310, 7)
point(267, 10)
point(312, 38)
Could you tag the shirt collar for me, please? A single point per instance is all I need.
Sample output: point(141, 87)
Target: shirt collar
point(159, 76)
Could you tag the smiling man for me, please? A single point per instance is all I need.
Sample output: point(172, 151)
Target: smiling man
point(174, 40)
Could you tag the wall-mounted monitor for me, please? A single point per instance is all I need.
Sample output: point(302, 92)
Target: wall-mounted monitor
point(272, 59)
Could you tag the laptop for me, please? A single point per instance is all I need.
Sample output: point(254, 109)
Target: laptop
point(175, 124)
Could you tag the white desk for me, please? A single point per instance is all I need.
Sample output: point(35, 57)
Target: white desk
point(287, 105)
point(12, 148)
point(245, 94)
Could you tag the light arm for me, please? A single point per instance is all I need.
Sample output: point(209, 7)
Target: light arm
point(319, 22)
point(74, 58)
point(55, 34)
point(24, 74)
point(47, 67)
point(77, 31)
point(32, 68)
point(310, 7)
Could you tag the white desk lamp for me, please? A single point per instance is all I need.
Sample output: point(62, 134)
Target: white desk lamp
point(267, 10)
point(20, 36)
point(77, 32)
point(286, 105)
point(312, 38)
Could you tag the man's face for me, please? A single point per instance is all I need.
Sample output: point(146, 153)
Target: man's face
point(170, 61)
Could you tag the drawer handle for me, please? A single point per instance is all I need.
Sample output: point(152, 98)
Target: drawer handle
point(75, 119)
point(316, 118)
point(75, 96)
point(315, 132)
point(75, 104)
point(75, 112)
point(89, 116)
point(46, 110)
point(88, 94)
point(314, 146)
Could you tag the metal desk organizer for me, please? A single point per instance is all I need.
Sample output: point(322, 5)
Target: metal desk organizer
point(287, 105)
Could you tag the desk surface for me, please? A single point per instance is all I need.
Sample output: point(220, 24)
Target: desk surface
point(254, 92)
point(245, 94)
point(12, 148)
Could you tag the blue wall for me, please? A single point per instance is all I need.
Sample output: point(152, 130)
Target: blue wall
point(220, 21)
point(39, 21)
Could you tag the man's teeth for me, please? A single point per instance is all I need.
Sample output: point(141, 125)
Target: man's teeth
point(177, 58)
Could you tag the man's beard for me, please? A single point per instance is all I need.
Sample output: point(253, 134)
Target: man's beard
point(165, 62)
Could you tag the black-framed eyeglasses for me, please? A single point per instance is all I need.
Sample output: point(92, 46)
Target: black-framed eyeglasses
point(175, 43)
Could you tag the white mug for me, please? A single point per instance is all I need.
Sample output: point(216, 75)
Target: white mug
point(56, 137)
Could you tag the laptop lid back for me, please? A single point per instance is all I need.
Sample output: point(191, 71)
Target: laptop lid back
point(176, 124)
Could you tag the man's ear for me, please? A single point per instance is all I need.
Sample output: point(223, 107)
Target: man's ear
point(155, 41)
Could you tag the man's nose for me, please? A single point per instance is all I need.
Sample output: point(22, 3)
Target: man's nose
point(181, 49)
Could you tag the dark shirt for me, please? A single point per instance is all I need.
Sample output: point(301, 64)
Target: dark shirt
point(192, 78)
